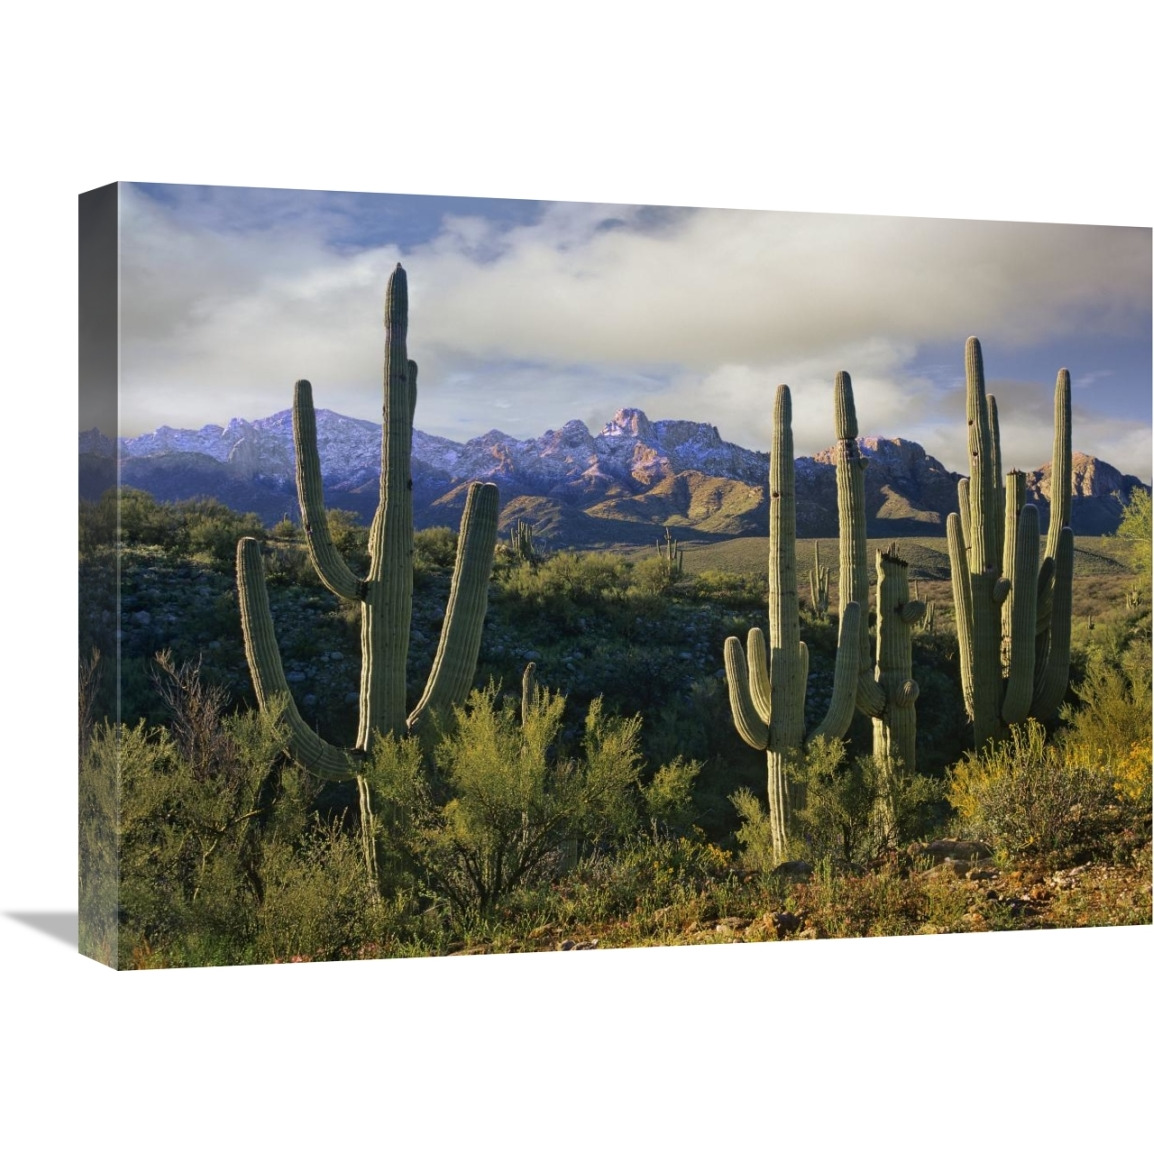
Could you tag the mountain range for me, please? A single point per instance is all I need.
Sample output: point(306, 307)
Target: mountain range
point(623, 485)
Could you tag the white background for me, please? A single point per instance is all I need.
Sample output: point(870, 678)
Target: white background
point(996, 1041)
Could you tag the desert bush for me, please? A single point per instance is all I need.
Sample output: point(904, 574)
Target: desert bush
point(854, 809)
point(435, 548)
point(211, 529)
point(733, 590)
point(754, 835)
point(503, 806)
point(223, 858)
point(1135, 527)
point(97, 525)
point(669, 795)
point(1028, 796)
point(565, 583)
point(349, 535)
point(1110, 726)
point(655, 576)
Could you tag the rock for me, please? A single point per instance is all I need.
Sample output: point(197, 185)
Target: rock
point(731, 924)
point(943, 848)
point(798, 871)
point(567, 944)
point(784, 922)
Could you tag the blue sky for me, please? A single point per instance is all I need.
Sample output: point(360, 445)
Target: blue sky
point(526, 314)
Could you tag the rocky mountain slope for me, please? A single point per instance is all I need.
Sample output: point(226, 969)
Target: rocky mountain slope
point(622, 485)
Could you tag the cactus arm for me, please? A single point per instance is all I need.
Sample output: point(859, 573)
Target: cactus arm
point(1015, 500)
point(272, 691)
point(963, 606)
point(907, 694)
point(802, 682)
point(1054, 675)
point(758, 663)
point(1045, 593)
point(752, 729)
point(912, 612)
point(964, 509)
point(1061, 465)
point(984, 557)
point(329, 564)
point(1023, 614)
point(999, 487)
point(456, 661)
point(845, 676)
point(388, 602)
point(871, 700)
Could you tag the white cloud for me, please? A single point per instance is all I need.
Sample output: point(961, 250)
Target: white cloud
point(693, 314)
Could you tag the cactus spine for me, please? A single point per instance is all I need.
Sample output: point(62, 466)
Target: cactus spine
point(767, 687)
point(386, 594)
point(1013, 613)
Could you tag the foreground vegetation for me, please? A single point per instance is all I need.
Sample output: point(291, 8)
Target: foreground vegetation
point(610, 805)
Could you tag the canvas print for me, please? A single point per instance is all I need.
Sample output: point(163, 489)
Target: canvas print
point(466, 576)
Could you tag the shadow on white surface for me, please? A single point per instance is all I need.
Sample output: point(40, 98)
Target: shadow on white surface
point(59, 924)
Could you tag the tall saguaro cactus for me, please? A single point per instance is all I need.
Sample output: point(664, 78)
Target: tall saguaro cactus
point(767, 687)
point(386, 594)
point(886, 690)
point(853, 574)
point(1013, 614)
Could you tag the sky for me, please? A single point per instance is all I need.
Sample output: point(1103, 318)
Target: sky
point(527, 314)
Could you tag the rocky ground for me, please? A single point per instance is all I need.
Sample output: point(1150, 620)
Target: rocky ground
point(950, 895)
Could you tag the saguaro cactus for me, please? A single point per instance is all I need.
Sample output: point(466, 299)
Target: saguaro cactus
point(522, 545)
point(819, 585)
point(386, 594)
point(767, 688)
point(672, 555)
point(886, 691)
point(853, 573)
point(895, 728)
point(1013, 615)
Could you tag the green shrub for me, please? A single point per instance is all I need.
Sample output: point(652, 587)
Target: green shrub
point(435, 548)
point(854, 810)
point(669, 795)
point(754, 835)
point(1135, 527)
point(1110, 727)
point(1027, 796)
point(503, 806)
